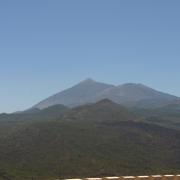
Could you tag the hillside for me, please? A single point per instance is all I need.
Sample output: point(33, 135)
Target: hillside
point(52, 112)
point(101, 139)
point(102, 111)
point(167, 116)
point(82, 93)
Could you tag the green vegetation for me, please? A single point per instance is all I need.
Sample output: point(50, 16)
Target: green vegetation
point(166, 116)
point(102, 139)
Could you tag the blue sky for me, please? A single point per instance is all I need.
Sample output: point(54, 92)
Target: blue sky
point(47, 46)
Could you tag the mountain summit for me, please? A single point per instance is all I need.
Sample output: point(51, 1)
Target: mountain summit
point(82, 93)
point(90, 91)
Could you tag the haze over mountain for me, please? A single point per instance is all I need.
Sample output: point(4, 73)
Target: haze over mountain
point(90, 91)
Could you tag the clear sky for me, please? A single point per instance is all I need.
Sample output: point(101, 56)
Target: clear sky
point(49, 45)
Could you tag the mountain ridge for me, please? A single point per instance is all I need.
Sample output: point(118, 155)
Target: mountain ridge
point(91, 91)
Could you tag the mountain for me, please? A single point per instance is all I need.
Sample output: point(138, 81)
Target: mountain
point(102, 111)
point(99, 139)
point(90, 91)
point(137, 95)
point(82, 93)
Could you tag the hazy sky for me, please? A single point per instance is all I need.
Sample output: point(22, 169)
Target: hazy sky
point(47, 46)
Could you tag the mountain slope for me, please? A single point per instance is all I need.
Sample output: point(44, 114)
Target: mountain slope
point(102, 111)
point(100, 139)
point(50, 113)
point(82, 93)
point(137, 95)
point(168, 116)
point(90, 91)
